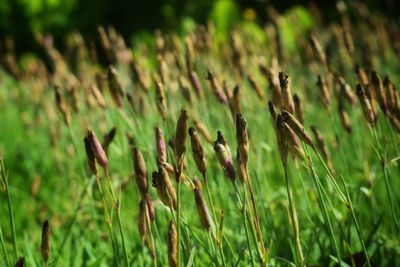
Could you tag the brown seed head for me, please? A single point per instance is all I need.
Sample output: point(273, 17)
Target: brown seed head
point(377, 86)
point(90, 156)
point(97, 150)
point(161, 100)
point(287, 99)
point(160, 146)
point(20, 262)
point(215, 85)
point(197, 151)
point(297, 128)
point(225, 160)
point(142, 219)
point(298, 107)
point(165, 189)
point(140, 171)
point(108, 138)
point(202, 129)
point(45, 245)
point(272, 112)
point(115, 85)
point(369, 113)
point(202, 209)
point(196, 84)
point(324, 93)
point(181, 135)
point(172, 245)
point(242, 138)
point(256, 87)
point(281, 139)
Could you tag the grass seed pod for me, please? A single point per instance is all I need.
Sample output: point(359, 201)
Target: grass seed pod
point(62, 105)
point(140, 171)
point(196, 84)
point(165, 189)
point(287, 99)
point(344, 118)
point(115, 85)
point(234, 101)
point(202, 129)
point(318, 50)
point(98, 96)
point(160, 146)
point(197, 151)
point(142, 220)
point(98, 150)
point(150, 207)
point(391, 95)
point(20, 262)
point(298, 108)
point(242, 138)
point(324, 93)
point(297, 127)
point(90, 156)
point(255, 87)
point(241, 168)
point(181, 135)
point(225, 160)
point(361, 75)
point(184, 86)
point(216, 87)
point(366, 106)
point(45, 245)
point(345, 91)
point(377, 86)
point(189, 55)
point(320, 143)
point(161, 101)
point(172, 245)
point(202, 209)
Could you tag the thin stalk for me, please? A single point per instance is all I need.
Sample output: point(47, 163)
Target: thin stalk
point(3, 247)
point(323, 207)
point(116, 205)
point(257, 218)
point(356, 223)
point(107, 217)
point(10, 211)
point(163, 257)
point(382, 162)
point(214, 218)
point(151, 239)
point(178, 220)
point(293, 215)
point(243, 211)
point(73, 219)
point(214, 250)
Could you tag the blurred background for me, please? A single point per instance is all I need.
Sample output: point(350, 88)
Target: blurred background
point(20, 19)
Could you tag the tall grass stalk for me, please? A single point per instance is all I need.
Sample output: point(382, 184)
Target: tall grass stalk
point(382, 163)
point(10, 211)
point(3, 248)
point(294, 219)
point(116, 206)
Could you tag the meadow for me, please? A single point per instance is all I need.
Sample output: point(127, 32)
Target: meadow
point(269, 145)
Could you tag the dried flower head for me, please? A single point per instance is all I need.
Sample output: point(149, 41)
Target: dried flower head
point(172, 245)
point(366, 106)
point(324, 93)
point(45, 245)
point(160, 146)
point(142, 219)
point(202, 209)
point(115, 85)
point(202, 129)
point(297, 128)
point(165, 189)
point(287, 99)
point(97, 150)
point(196, 84)
point(377, 87)
point(108, 138)
point(197, 151)
point(161, 101)
point(90, 156)
point(242, 138)
point(181, 135)
point(256, 87)
point(298, 107)
point(225, 160)
point(281, 138)
point(216, 87)
point(140, 171)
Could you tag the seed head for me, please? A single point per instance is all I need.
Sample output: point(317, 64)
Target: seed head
point(297, 128)
point(202, 209)
point(324, 93)
point(256, 87)
point(115, 85)
point(160, 146)
point(203, 131)
point(281, 138)
point(287, 99)
point(142, 219)
point(108, 138)
point(196, 84)
point(225, 160)
point(377, 86)
point(161, 101)
point(197, 151)
point(172, 245)
point(97, 150)
point(298, 107)
point(365, 102)
point(242, 138)
point(164, 187)
point(216, 87)
point(140, 171)
point(45, 245)
point(181, 135)
point(90, 156)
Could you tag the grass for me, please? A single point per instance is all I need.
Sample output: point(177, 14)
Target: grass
point(304, 212)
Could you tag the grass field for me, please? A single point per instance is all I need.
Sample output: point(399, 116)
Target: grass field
point(334, 200)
